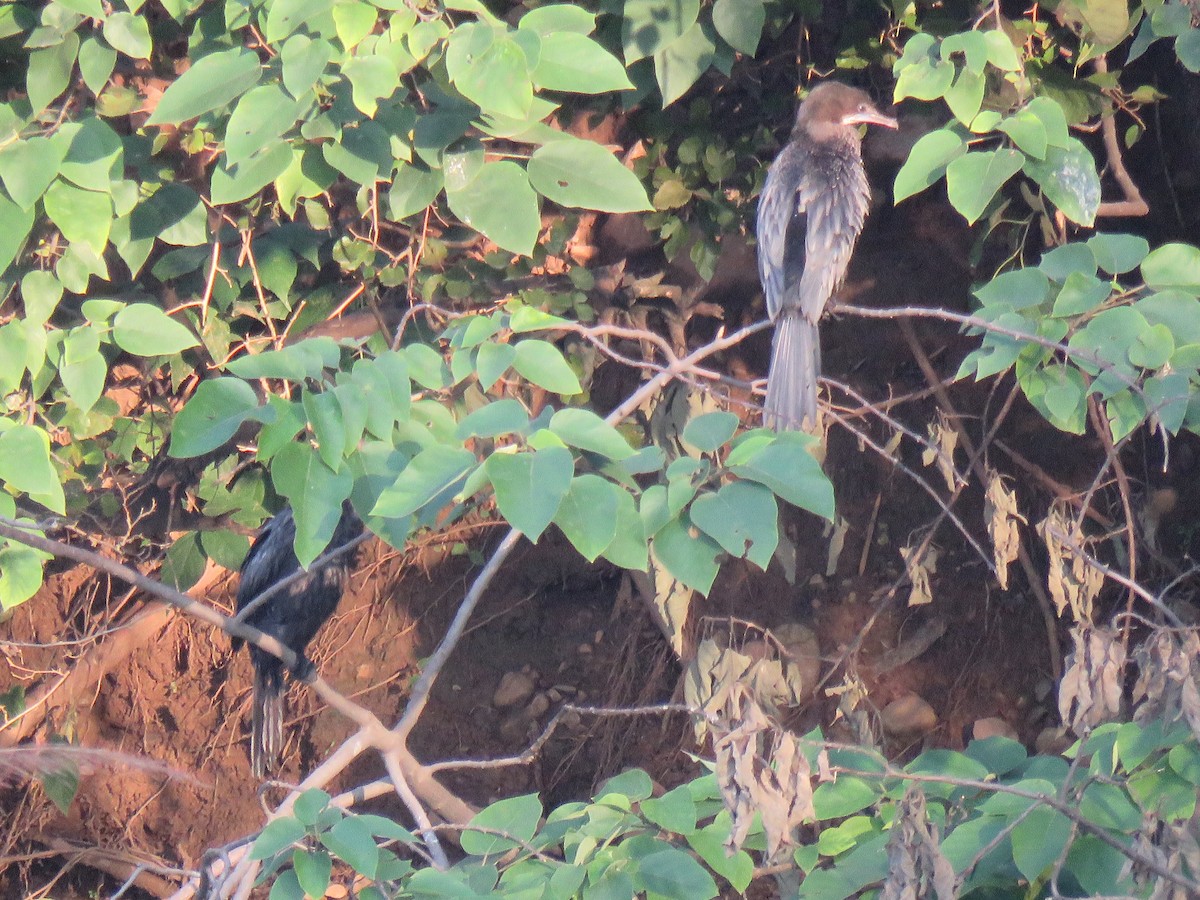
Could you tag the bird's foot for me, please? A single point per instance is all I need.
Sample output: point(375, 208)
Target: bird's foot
point(304, 671)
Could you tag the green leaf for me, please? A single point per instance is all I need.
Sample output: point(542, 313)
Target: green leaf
point(15, 224)
point(543, 364)
point(313, 869)
point(673, 873)
point(1187, 48)
point(844, 797)
point(588, 514)
point(1108, 21)
point(1118, 253)
point(790, 471)
point(28, 167)
point(286, 16)
point(324, 414)
point(710, 431)
point(530, 486)
point(1069, 180)
point(49, 72)
point(742, 517)
point(212, 82)
point(737, 869)
point(680, 64)
point(129, 34)
point(233, 183)
point(1001, 52)
point(430, 473)
point(493, 361)
point(83, 368)
point(557, 18)
point(60, 783)
point(584, 429)
point(1081, 293)
point(505, 416)
point(515, 816)
point(413, 189)
point(95, 156)
point(26, 465)
point(1027, 132)
point(583, 174)
point(260, 116)
point(648, 26)
point(1038, 841)
point(353, 20)
point(304, 61)
point(84, 216)
point(973, 179)
point(1173, 266)
point(1018, 289)
point(628, 548)
point(22, 573)
point(740, 23)
point(352, 842)
point(372, 78)
point(315, 492)
point(491, 69)
point(277, 836)
point(965, 96)
point(1108, 806)
point(501, 205)
point(1153, 347)
point(96, 63)
point(145, 330)
point(927, 162)
point(571, 61)
point(972, 45)
point(690, 556)
point(212, 416)
point(674, 811)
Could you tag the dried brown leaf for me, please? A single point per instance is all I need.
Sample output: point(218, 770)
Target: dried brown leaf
point(1090, 691)
point(1000, 512)
point(1074, 583)
point(918, 568)
point(944, 438)
point(917, 868)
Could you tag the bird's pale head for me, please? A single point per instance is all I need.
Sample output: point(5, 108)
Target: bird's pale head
point(833, 110)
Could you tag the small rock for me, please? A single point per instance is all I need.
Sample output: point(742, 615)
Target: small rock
point(756, 649)
point(1052, 740)
point(584, 649)
point(908, 716)
point(555, 696)
point(537, 706)
point(992, 726)
point(817, 581)
point(804, 651)
point(566, 689)
point(514, 689)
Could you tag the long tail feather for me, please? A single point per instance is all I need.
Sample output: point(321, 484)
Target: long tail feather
point(791, 402)
point(266, 727)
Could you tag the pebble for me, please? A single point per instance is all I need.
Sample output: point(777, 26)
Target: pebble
point(756, 649)
point(908, 716)
point(1052, 740)
point(514, 689)
point(992, 726)
point(538, 706)
point(804, 651)
point(584, 649)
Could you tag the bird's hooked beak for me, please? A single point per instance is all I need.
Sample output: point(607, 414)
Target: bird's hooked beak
point(869, 117)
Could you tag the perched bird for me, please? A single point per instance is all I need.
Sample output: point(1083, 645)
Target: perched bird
point(811, 210)
point(293, 617)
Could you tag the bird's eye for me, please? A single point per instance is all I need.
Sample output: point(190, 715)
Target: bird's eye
point(862, 107)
